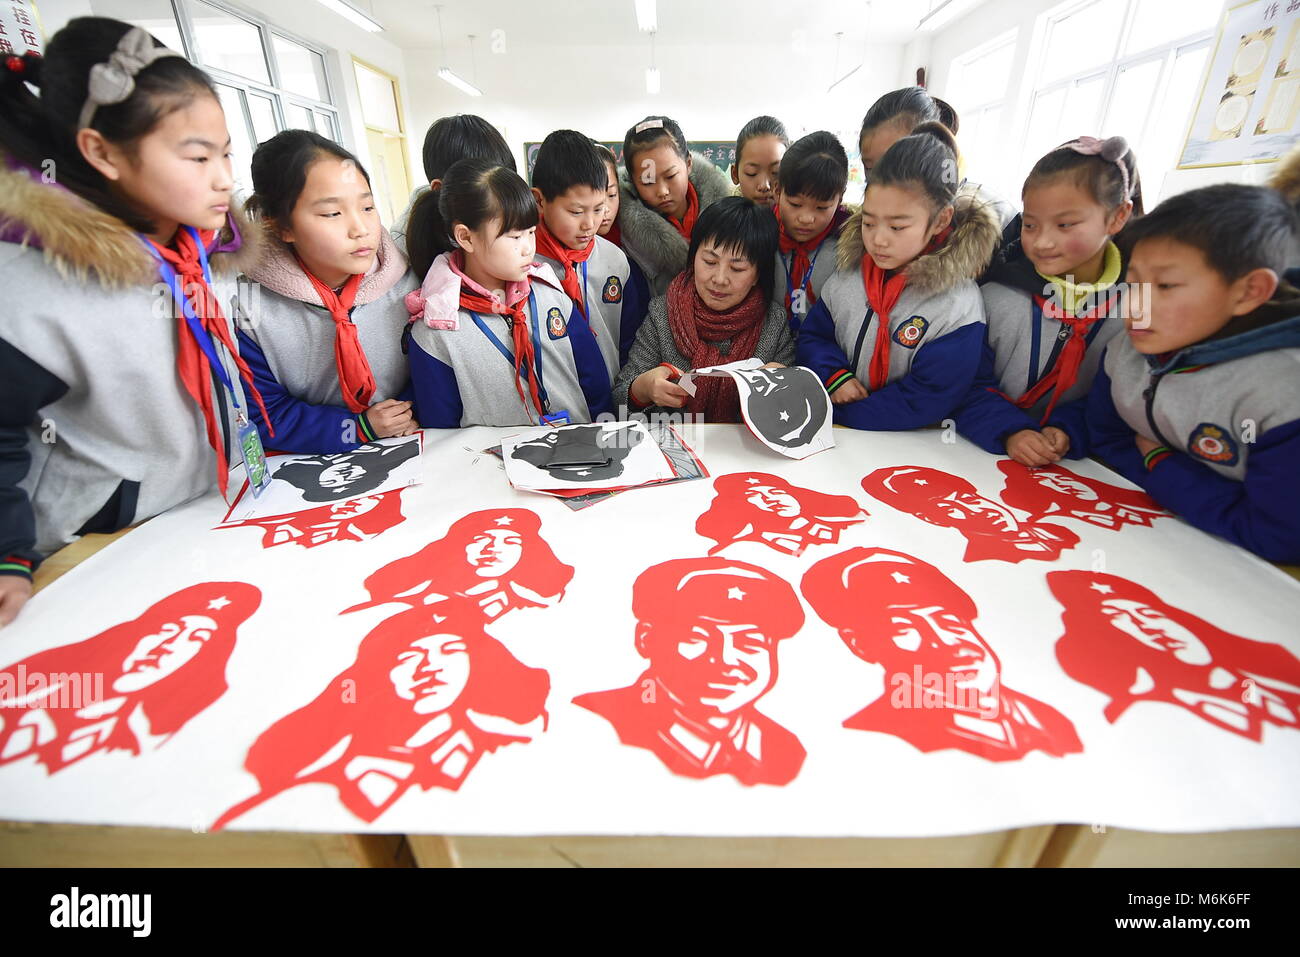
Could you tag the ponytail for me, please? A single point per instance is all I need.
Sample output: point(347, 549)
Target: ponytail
point(926, 160)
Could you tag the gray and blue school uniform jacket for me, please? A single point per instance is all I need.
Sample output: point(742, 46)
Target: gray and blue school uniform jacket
point(287, 338)
point(97, 431)
point(649, 239)
point(1227, 412)
point(613, 303)
point(824, 265)
point(463, 364)
point(1021, 346)
point(936, 327)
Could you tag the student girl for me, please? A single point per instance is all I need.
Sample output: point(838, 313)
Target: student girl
point(718, 310)
point(326, 344)
point(495, 340)
point(896, 335)
point(666, 188)
point(810, 186)
point(897, 114)
point(114, 410)
point(759, 148)
point(419, 234)
point(637, 288)
point(1054, 304)
point(570, 182)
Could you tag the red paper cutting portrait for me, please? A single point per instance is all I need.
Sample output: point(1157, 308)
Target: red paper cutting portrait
point(764, 508)
point(427, 697)
point(943, 682)
point(495, 558)
point(135, 683)
point(1053, 491)
point(709, 629)
point(1123, 640)
point(992, 531)
point(355, 520)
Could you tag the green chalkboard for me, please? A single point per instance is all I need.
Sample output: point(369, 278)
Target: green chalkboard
point(721, 153)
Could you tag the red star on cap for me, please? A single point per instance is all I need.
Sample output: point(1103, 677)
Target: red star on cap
point(734, 592)
point(218, 603)
point(504, 520)
point(901, 578)
point(1099, 587)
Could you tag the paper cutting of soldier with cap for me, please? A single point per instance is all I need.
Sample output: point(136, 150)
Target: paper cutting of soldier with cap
point(355, 520)
point(764, 508)
point(159, 670)
point(992, 531)
point(709, 629)
point(1053, 491)
point(426, 698)
point(341, 475)
point(786, 407)
point(943, 683)
point(602, 451)
point(1123, 640)
point(495, 559)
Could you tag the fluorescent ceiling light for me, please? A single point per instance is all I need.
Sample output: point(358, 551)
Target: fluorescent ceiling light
point(646, 20)
point(463, 85)
point(652, 80)
point(944, 13)
point(349, 12)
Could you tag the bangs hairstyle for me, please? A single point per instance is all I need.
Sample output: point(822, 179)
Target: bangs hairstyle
point(741, 225)
point(760, 126)
point(1094, 174)
point(448, 140)
point(477, 191)
point(280, 167)
point(926, 161)
point(567, 159)
point(37, 129)
point(459, 137)
point(1237, 228)
point(816, 167)
point(648, 138)
point(909, 108)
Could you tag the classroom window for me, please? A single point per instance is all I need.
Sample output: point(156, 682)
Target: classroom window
point(266, 79)
point(979, 84)
point(381, 111)
point(1119, 67)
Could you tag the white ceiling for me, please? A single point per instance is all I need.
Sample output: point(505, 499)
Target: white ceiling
point(412, 24)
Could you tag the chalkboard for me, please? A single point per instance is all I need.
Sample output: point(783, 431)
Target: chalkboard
point(721, 153)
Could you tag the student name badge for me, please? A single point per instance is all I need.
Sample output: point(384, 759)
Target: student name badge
point(250, 447)
point(556, 418)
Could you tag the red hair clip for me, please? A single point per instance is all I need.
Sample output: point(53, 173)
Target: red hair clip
point(15, 64)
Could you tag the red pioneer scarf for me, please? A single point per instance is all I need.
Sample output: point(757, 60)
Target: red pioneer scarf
point(356, 380)
point(697, 330)
point(552, 248)
point(882, 295)
point(687, 223)
point(1065, 370)
point(525, 360)
point(802, 264)
point(191, 364)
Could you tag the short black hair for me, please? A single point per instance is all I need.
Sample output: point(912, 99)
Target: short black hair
point(734, 222)
point(646, 134)
point(280, 167)
point(1237, 228)
point(761, 126)
point(567, 159)
point(815, 166)
point(461, 137)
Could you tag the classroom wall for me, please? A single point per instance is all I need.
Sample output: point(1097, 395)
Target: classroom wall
point(711, 96)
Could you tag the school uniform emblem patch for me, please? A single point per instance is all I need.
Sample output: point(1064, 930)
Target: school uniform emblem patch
point(909, 334)
point(556, 324)
point(1212, 443)
point(613, 290)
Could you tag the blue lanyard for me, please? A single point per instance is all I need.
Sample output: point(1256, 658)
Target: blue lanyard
point(200, 334)
point(789, 273)
point(584, 287)
point(509, 356)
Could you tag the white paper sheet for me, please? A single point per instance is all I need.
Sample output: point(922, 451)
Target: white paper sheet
point(787, 409)
point(1200, 741)
point(634, 458)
